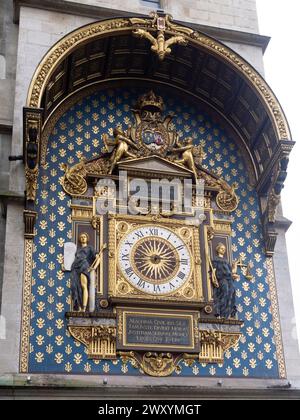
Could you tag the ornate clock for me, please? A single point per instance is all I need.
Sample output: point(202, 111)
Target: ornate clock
point(154, 260)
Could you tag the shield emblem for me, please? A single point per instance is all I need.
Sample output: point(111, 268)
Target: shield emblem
point(152, 139)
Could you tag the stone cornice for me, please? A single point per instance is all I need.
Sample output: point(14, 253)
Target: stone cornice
point(97, 12)
point(17, 385)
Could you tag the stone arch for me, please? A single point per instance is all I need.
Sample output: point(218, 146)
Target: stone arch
point(203, 67)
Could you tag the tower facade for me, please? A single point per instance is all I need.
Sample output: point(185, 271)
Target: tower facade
point(142, 228)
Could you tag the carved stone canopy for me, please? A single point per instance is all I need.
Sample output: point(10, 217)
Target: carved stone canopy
point(199, 66)
point(204, 68)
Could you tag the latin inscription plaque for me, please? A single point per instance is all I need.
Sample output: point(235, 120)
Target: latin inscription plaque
point(170, 331)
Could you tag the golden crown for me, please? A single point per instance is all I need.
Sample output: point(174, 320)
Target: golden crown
point(151, 102)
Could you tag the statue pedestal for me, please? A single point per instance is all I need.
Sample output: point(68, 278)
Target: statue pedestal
point(97, 331)
point(216, 336)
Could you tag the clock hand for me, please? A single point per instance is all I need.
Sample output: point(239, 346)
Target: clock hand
point(169, 252)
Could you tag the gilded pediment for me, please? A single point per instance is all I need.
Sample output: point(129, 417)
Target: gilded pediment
point(154, 165)
point(150, 148)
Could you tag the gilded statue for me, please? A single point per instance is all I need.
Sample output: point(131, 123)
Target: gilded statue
point(223, 275)
point(86, 259)
point(188, 153)
point(119, 147)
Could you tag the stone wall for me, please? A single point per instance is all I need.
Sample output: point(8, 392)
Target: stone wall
point(8, 59)
point(286, 308)
point(231, 14)
point(38, 31)
point(5, 144)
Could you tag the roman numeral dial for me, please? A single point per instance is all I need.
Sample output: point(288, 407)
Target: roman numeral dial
point(154, 259)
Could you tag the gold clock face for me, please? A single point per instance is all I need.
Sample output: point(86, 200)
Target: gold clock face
point(154, 259)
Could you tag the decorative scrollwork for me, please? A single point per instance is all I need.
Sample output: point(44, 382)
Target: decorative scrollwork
point(131, 357)
point(74, 182)
point(98, 166)
point(227, 200)
point(32, 131)
point(31, 176)
point(81, 334)
point(158, 364)
point(213, 344)
point(24, 355)
point(153, 364)
point(100, 341)
point(160, 45)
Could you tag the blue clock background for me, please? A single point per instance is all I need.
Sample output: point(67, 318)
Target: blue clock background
point(78, 133)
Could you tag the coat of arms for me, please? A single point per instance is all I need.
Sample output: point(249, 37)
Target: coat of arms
point(152, 131)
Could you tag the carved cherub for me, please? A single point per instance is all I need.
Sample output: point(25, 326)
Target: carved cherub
point(119, 146)
point(158, 362)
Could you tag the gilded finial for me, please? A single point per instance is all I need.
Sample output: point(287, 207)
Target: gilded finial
point(160, 45)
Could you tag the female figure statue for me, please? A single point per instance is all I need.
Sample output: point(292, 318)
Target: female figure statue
point(223, 276)
point(85, 260)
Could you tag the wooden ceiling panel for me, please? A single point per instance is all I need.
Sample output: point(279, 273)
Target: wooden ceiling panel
point(194, 70)
point(138, 65)
point(211, 66)
point(184, 55)
point(227, 77)
point(95, 68)
point(220, 95)
point(204, 85)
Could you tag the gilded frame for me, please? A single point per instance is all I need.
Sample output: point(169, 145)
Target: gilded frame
point(193, 317)
point(119, 288)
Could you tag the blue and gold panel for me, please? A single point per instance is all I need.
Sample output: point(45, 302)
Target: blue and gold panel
point(78, 133)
